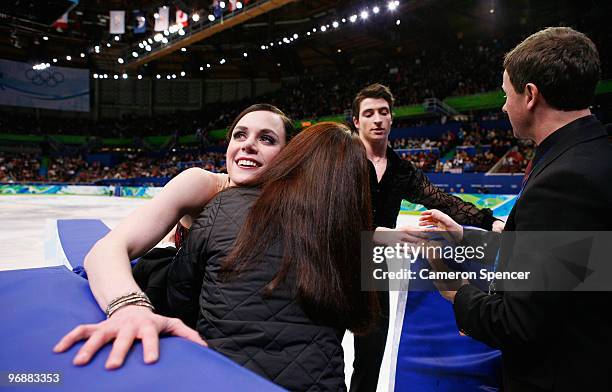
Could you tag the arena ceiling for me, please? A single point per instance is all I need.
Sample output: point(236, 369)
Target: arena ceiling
point(424, 24)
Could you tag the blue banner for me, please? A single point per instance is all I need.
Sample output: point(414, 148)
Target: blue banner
point(57, 88)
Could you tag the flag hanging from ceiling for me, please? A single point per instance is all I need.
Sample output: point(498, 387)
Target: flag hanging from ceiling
point(232, 6)
point(61, 23)
point(216, 7)
point(182, 18)
point(140, 22)
point(117, 22)
point(163, 19)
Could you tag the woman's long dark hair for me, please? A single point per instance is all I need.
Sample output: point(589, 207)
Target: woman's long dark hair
point(315, 199)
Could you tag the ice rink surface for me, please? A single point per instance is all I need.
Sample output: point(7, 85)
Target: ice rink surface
point(23, 221)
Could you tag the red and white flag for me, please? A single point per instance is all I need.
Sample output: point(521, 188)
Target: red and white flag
point(61, 23)
point(232, 5)
point(182, 18)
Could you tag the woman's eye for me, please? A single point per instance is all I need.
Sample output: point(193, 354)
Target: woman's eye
point(239, 135)
point(268, 139)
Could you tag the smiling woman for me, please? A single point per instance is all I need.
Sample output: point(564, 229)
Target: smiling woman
point(254, 140)
point(257, 135)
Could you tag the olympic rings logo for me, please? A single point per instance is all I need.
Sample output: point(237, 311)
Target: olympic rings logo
point(44, 78)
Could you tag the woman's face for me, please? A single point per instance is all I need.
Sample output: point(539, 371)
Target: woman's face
point(255, 141)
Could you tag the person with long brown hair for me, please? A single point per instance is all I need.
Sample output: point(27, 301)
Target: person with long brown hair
point(271, 270)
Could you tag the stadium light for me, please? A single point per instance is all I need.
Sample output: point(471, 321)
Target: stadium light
point(308, 33)
point(222, 4)
point(158, 76)
point(164, 40)
point(95, 76)
point(105, 76)
point(115, 77)
point(120, 60)
point(245, 54)
point(82, 55)
point(353, 18)
point(222, 61)
point(45, 38)
point(148, 48)
point(173, 76)
point(364, 15)
point(376, 10)
point(183, 49)
point(207, 65)
point(182, 73)
point(335, 24)
point(158, 37)
point(323, 28)
point(295, 36)
point(68, 58)
point(239, 5)
point(108, 45)
point(156, 15)
point(139, 77)
point(124, 76)
point(181, 32)
point(195, 17)
point(397, 22)
point(166, 33)
point(201, 68)
point(55, 60)
point(211, 17)
point(116, 38)
point(134, 54)
point(168, 77)
point(392, 5)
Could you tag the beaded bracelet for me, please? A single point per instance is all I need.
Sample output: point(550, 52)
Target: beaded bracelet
point(135, 298)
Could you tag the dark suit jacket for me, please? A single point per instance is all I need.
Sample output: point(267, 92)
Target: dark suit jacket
point(552, 340)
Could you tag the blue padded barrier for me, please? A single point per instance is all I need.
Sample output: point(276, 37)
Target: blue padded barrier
point(432, 355)
point(41, 305)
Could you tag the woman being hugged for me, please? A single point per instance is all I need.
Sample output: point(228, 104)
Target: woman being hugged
point(255, 139)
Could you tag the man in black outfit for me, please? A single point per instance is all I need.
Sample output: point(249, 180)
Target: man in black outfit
point(391, 180)
point(550, 340)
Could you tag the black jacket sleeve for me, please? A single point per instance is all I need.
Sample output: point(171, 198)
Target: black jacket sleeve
point(514, 319)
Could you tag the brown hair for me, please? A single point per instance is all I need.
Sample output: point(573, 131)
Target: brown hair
point(266, 107)
point(315, 200)
point(563, 63)
point(375, 90)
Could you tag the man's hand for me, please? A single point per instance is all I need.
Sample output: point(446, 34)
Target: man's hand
point(443, 224)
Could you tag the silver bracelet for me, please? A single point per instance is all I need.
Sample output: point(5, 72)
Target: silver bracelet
point(134, 298)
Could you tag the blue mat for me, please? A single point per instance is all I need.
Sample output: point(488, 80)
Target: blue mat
point(41, 305)
point(78, 236)
point(433, 356)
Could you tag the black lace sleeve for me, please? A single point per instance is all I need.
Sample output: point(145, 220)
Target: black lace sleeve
point(423, 192)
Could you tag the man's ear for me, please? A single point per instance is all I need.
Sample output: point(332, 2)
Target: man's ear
point(532, 95)
point(356, 122)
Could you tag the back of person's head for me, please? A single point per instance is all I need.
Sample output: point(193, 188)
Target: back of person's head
point(315, 199)
point(264, 107)
point(563, 63)
point(375, 91)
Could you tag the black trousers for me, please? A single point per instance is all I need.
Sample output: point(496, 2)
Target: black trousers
point(369, 351)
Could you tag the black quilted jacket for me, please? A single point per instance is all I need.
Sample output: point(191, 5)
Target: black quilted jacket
point(269, 334)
